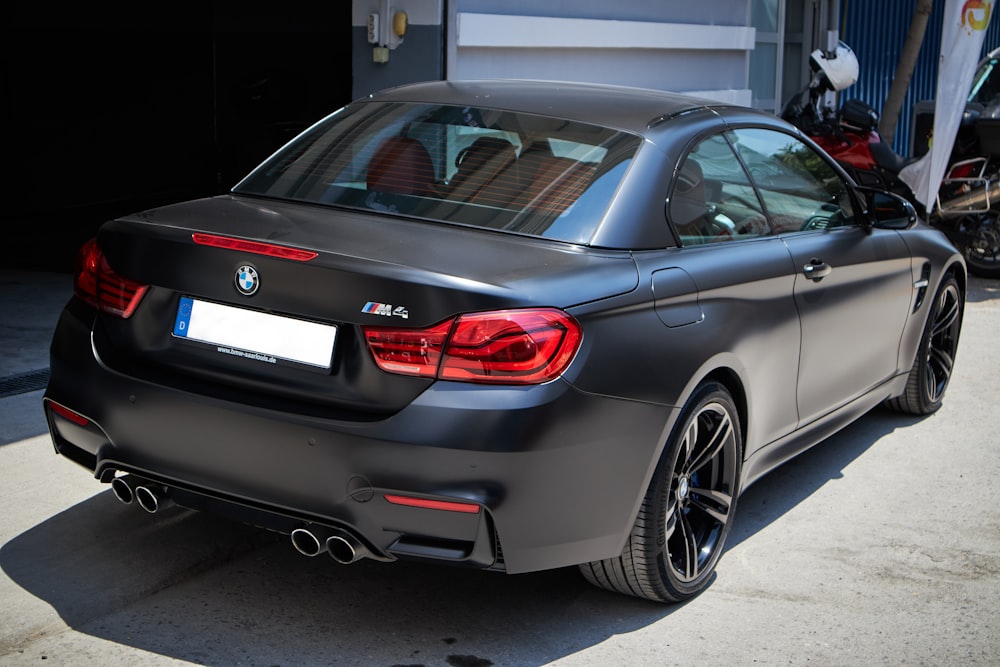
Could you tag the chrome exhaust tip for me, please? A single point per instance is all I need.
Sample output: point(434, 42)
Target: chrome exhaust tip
point(124, 489)
point(308, 541)
point(345, 548)
point(152, 499)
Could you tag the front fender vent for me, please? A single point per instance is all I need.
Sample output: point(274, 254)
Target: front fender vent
point(921, 286)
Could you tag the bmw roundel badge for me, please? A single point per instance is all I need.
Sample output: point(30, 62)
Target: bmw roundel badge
point(247, 280)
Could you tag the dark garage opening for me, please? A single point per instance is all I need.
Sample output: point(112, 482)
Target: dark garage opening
point(110, 110)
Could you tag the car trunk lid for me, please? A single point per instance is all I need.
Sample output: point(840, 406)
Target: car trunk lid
point(368, 270)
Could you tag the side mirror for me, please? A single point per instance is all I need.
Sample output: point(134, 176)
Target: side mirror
point(887, 210)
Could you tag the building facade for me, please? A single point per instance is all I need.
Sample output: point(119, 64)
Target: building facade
point(750, 52)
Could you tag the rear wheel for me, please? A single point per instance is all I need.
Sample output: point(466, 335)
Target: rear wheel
point(980, 244)
point(935, 359)
point(687, 512)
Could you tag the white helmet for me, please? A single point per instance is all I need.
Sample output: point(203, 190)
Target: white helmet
point(839, 67)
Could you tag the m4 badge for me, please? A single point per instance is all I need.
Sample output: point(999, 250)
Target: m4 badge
point(385, 309)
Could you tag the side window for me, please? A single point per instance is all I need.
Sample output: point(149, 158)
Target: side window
point(801, 191)
point(713, 199)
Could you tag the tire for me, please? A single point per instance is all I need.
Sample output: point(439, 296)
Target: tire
point(680, 531)
point(981, 246)
point(935, 360)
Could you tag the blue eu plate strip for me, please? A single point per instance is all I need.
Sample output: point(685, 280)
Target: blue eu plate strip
point(183, 317)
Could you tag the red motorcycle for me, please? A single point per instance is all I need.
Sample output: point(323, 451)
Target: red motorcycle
point(968, 205)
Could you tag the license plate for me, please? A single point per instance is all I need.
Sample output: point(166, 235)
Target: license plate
point(254, 335)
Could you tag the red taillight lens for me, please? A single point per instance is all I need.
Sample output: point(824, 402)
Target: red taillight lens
point(528, 346)
point(521, 346)
point(96, 283)
point(408, 351)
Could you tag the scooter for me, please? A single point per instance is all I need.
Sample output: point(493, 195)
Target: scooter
point(967, 209)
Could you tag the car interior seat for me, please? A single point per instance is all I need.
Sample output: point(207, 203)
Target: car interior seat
point(478, 165)
point(401, 165)
point(690, 211)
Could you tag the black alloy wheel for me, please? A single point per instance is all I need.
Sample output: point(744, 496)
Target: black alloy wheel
point(682, 525)
point(935, 360)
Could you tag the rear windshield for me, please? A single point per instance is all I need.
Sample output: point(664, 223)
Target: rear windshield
point(486, 168)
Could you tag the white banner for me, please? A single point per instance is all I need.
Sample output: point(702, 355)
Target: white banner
point(965, 23)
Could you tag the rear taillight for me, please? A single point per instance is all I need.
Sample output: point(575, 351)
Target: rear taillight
point(408, 351)
point(528, 346)
point(97, 283)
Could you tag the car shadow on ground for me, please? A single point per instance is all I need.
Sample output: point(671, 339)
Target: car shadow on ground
point(773, 495)
point(195, 587)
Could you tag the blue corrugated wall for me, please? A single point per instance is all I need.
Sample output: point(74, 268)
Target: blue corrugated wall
point(876, 30)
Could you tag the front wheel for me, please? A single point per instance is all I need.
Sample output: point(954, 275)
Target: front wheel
point(680, 531)
point(935, 360)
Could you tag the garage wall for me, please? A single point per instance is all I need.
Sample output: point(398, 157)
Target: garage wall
point(419, 56)
point(700, 48)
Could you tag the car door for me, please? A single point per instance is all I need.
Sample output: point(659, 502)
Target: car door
point(728, 287)
point(853, 285)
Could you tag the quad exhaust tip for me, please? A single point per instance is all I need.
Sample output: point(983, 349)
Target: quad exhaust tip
point(345, 549)
point(150, 497)
point(124, 489)
point(341, 545)
point(308, 541)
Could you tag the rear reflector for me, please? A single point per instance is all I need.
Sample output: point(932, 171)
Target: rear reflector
point(96, 282)
point(426, 503)
point(525, 346)
point(254, 247)
point(77, 419)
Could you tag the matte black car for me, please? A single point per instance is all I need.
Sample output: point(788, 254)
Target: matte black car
point(503, 325)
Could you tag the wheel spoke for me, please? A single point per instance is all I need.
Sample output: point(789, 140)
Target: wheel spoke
point(670, 525)
point(689, 544)
point(719, 437)
point(717, 505)
point(937, 372)
point(688, 443)
point(942, 361)
point(946, 316)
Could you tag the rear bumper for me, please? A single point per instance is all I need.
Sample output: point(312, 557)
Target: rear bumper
point(557, 474)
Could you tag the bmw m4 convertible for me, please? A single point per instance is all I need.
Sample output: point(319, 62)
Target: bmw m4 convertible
point(506, 325)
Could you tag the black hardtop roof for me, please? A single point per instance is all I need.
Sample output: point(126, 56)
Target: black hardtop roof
point(620, 107)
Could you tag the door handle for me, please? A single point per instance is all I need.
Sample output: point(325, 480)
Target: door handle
point(816, 269)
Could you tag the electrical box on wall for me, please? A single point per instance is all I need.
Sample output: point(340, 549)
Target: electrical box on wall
point(386, 30)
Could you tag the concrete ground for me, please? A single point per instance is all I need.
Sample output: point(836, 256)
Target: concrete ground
point(881, 546)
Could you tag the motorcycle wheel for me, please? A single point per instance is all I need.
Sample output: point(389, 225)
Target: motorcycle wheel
point(980, 244)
